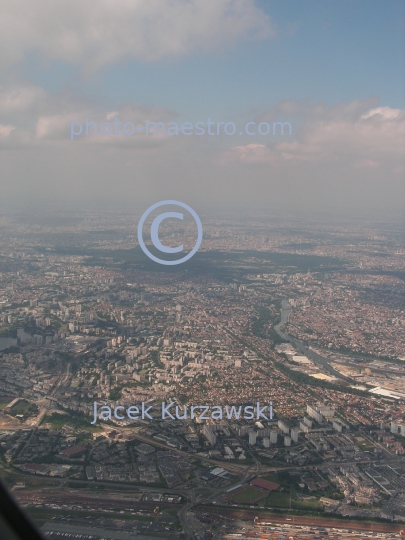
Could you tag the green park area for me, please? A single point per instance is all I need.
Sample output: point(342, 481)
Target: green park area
point(363, 444)
point(290, 493)
point(76, 421)
point(248, 495)
point(278, 499)
point(3, 404)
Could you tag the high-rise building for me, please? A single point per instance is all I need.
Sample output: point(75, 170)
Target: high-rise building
point(314, 413)
point(273, 437)
point(304, 427)
point(210, 435)
point(266, 442)
point(326, 411)
point(252, 438)
point(287, 440)
point(394, 428)
point(283, 426)
point(294, 434)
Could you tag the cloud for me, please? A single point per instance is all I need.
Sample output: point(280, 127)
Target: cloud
point(355, 133)
point(250, 153)
point(5, 131)
point(384, 112)
point(31, 115)
point(339, 156)
point(98, 32)
point(343, 133)
point(20, 98)
point(23, 104)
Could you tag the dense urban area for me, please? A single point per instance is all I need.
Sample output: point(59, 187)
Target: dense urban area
point(256, 391)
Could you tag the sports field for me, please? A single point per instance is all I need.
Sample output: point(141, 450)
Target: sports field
point(363, 444)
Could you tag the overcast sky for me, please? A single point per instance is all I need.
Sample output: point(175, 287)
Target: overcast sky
point(334, 69)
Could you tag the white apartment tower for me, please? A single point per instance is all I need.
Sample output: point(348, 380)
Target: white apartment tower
point(294, 434)
point(210, 435)
point(252, 438)
point(273, 437)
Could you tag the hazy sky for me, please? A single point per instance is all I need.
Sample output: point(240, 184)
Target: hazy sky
point(334, 69)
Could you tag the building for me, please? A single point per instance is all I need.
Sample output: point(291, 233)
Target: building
point(229, 453)
point(363, 499)
point(326, 411)
point(304, 427)
point(252, 438)
point(210, 435)
point(273, 437)
point(287, 440)
point(314, 413)
point(294, 434)
point(394, 428)
point(283, 426)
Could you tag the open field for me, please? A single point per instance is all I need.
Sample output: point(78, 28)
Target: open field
point(4, 404)
point(277, 499)
point(78, 422)
point(307, 505)
point(363, 444)
point(282, 500)
point(248, 495)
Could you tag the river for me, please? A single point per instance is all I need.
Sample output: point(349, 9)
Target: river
point(317, 358)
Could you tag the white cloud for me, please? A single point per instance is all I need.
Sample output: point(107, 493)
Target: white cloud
point(57, 125)
point(31, 115)
point(97, 32)
point(343, 133)
point(20, 98)
point(5, 131)
point(250, 153)
point(352, 133)
point(345, 155)
point(385, 112)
